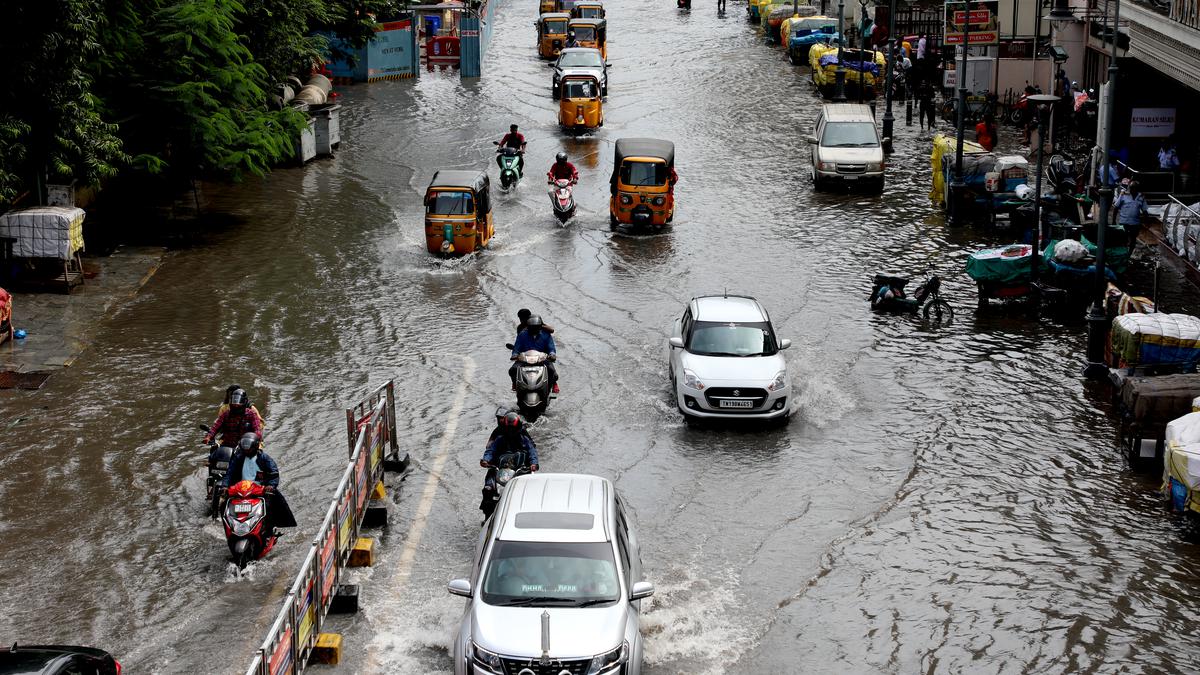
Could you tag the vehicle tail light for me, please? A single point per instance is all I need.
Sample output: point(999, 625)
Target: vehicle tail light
point(118, 665)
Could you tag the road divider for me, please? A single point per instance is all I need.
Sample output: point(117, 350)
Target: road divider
point(360, 501)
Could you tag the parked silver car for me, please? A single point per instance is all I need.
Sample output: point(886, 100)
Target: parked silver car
point(556, 584)
point(846, 148)
point(580, 61)
point(725, 361)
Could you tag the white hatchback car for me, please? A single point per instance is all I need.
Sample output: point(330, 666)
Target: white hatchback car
point(725, 361)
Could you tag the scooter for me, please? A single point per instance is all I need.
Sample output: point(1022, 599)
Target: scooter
point(562, 200)
point(218, 464)
point(245, 523)
point(510, 165)
point(888, 295)
point(533, 383)
point(509, 466)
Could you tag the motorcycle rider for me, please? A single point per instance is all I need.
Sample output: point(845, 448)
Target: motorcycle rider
point(513, 139)
point(562, 169)
point(512, 438)
point(249, 462)
point(523, 318)
point(571, 41)
point(236, 420)
point(534, 338)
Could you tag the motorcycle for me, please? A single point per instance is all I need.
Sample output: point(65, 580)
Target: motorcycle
point(562, 200)
point(533, 383)
point(685, 4)
point(510, 165)
point(245, 523)
point(509, 466)
point(218, 464)
point(927, 300)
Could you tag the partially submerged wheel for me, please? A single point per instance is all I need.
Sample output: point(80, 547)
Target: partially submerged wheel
point(939, 311)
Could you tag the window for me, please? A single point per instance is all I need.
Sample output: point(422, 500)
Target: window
point(710, 338)
point(643, 173)
point(580, 59)
point(556, 27)
point(540, 574)
point(849, 135)
point(452, 203)
point(685, 327)
point(585, 33)
point(626, 561)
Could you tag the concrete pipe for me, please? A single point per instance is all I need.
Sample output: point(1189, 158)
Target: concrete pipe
point(319, 80)
point(310, 94)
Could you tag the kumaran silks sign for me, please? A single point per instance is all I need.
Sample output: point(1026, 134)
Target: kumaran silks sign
point(984, 27)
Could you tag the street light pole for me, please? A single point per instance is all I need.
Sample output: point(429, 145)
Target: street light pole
point(888, 119)
point(1098, 316)
point(839, 78)
point(1038, 101)
point(958, 185)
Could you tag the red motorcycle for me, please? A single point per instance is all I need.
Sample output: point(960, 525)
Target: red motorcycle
point(246, 523)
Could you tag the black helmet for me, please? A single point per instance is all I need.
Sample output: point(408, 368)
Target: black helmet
point(561, 157)
point(229, 391)
point(501, 413)
point(238, 400)
point(250, 443)
point(534, 324)
point(512, 422)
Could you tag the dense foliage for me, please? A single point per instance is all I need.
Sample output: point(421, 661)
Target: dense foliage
point(179, 87)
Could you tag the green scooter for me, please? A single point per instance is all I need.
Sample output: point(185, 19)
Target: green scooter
point(511, 163)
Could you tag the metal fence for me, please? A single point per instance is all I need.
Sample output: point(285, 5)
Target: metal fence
point(290, 641)
point(1156, 185)
point(1181, 226)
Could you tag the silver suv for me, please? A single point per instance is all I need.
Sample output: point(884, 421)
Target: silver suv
point(556, 583)
point(846, 147)
point(580, 61)
point(725, 361)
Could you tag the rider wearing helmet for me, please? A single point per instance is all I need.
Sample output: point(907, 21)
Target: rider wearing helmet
point(562, 170)
point(523, 316)
point(571, 41)
point(235, 419)
point(513, 139)
point(511, 437)
point(249, 462)
point(535, 339)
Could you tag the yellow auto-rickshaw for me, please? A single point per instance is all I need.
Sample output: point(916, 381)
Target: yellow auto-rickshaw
point(579, 106)
point(642, 184)
point(590, 33)
point(458, 212)
point(547, 6)
point(588, 9)
point(552, 33)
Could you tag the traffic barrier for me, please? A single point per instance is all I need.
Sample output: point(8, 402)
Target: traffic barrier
point(295, 634)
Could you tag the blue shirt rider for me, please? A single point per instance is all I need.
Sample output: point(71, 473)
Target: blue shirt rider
point(512, 438)
point(249, 462)
point(536, 339)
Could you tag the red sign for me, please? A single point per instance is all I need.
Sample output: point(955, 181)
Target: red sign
point(470, 33)
point(393, 25)
point(984, 25)
point(978, 16)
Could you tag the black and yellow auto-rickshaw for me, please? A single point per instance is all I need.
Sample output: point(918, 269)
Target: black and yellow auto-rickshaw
point(547, 6)
point(458, 212)
point(552, 33)
point(579, 105)
point(642, 184)
point(590, 33)
point(588, 9)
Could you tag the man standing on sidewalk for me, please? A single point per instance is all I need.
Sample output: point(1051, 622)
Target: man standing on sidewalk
point(1130, 208)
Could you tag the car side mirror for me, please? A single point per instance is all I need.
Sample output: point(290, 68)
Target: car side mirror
point(508, 346)
point(204, 428)
point(676, 343)
point(810, 139)
point(785, 343)
point(607, 64)
point(463, 587)
point(642, 589)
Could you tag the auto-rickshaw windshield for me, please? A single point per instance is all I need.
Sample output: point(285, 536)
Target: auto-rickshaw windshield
point(556, 27)
point(584, 33)
point(579, 89)
point(643, 173)
point(452, 203)
point(849, 135)
point(589, 13)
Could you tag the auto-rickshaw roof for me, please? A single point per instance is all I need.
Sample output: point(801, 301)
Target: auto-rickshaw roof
point(586, 22)
point(468, 180)
point(554, 15)
point(589, 3)
point(645, 147)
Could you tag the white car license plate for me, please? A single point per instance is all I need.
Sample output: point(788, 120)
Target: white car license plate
point(850, 177)
point(725, 403)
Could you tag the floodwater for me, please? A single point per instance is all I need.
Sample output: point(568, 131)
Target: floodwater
point(946, 500)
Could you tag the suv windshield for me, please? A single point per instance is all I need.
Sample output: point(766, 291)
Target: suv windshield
point(849, 135)
point(731, 339)
point(447, 203)
point(580, 59)
point(538, 574)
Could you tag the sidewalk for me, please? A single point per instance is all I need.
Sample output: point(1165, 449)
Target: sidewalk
point(59, 325)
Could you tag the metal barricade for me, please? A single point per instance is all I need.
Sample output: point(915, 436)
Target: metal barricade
point(293, 634)
point(1181, 227)
point(1155, 185)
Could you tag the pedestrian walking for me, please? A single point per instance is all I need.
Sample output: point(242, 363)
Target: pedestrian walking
point(721, 7)
point(925, 103)
point(1168, 156)
point(1130, 208)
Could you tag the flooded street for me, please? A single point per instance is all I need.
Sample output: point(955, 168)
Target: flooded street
point(946, 500)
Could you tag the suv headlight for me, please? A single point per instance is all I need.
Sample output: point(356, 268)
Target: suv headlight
point(487, 660)
point(876, 166)
point(827, 166)
point(690, 380)
point(609, 662)
point(779, 382)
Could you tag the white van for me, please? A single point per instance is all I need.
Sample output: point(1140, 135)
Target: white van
point(846, 147)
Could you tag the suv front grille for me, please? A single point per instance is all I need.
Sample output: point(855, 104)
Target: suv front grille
point(852, 168)
point(714, 395)
point(513, 666)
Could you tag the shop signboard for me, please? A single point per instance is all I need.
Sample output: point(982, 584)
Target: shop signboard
point(984, 16)
point(1152, 123)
